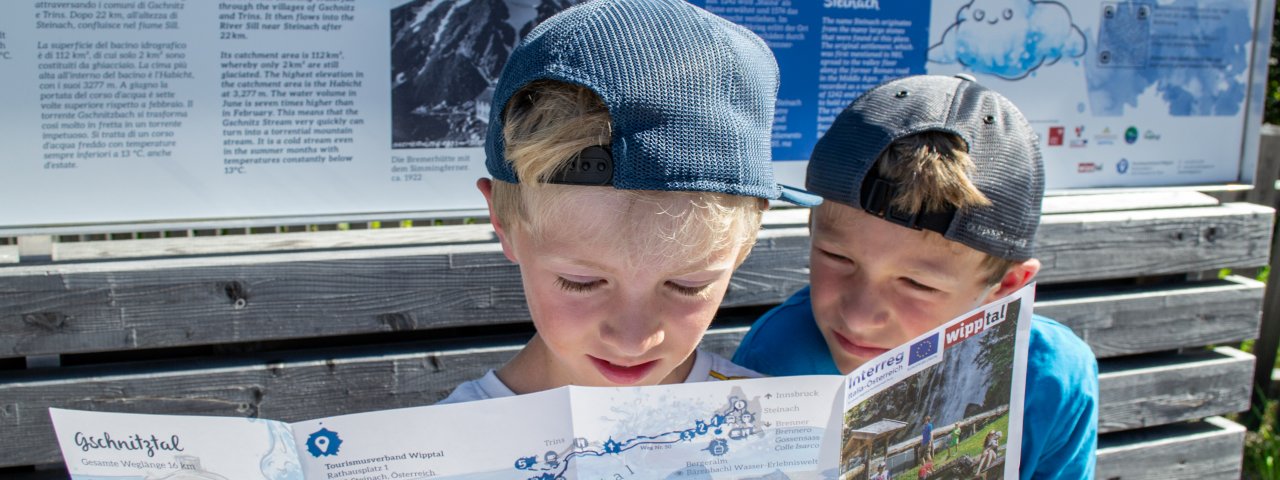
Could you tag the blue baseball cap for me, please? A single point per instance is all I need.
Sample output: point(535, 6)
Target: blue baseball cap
point(690, 95)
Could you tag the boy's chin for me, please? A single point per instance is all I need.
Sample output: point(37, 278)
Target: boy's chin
point(849, 356)
point(846, 362)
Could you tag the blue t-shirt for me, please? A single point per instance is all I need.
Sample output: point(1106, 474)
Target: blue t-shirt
point(1060, 415)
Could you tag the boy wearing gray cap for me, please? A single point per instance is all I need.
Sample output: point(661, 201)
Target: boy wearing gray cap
point(932, 189)
point(629, 148)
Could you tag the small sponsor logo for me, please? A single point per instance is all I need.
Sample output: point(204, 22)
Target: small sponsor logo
point(1131, 135)
point(923, 349)
point(1079, 142)
point(974, 325)
point(1150, 135)
point(1079, 131)
point(1106, 137)
point(1056, 135)
point(1088, 167)
point(1122, 166)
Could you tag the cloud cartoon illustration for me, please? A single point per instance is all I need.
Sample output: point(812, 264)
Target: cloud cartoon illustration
point(1009, 38)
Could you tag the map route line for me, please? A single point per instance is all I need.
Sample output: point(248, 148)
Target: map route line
point(556, 468)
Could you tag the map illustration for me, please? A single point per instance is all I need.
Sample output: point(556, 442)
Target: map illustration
point(733, 425)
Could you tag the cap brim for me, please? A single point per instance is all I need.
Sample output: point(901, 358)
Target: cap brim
point(799, 197)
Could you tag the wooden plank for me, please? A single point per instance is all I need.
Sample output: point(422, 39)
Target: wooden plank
point(65, 308)
point(1110, 202)
point(1268, 342)
point(1097, 246)
point(1206, 450)
point(1118, 321)
point(271, 242)
point(292, 387)
point(52, 473)
point(773, 218)
point(8, 254)
point(1059, 204)
point(285, 242)
point(95, 306)
point(1144, 391)
point(221, 223)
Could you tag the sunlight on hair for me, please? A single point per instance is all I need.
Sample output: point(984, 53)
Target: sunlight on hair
point(547, 124)
point(932, 171)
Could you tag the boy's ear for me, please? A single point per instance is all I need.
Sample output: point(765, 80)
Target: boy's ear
point(486, 188)
point(1015, 278)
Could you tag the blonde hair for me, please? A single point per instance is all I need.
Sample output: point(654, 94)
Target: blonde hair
point(548, 123)
point(932, 172)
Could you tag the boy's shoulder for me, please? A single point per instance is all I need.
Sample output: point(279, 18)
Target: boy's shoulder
point(1062, 373)
point(786, 341)
point(483, 388)
point(710, 367)
point(1056, 349)
point(1060, 419)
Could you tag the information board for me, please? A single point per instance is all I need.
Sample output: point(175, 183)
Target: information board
point(129, 111)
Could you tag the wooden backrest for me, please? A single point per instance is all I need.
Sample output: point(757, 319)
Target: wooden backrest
point(302, 325)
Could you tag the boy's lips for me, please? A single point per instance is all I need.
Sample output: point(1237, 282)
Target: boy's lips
point(623, 375)
point(862, 351)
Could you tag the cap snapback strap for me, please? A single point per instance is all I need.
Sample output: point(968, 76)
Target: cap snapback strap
point(592, 166)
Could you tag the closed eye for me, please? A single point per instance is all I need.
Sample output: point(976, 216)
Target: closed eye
point(688, 290)
point(919, 286)
point(835, 257)
point(578, 287)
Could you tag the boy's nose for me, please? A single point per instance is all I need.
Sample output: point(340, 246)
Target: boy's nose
point(861, 308)
point(633, 332)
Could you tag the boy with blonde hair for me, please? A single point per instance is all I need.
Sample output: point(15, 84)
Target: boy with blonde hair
point(629, 148)
point(932, 189)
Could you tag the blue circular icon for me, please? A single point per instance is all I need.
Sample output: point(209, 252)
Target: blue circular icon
point(1131, 135)
point(323, 443)
point(1122, 166)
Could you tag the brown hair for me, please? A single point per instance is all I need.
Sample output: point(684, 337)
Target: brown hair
point(932, 172)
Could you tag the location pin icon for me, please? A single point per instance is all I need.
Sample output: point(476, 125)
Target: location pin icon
point(323, 443)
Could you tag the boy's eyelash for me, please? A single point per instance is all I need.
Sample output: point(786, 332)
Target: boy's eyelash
point(920, 286)
point(835, 257)
point(690, 291)
point(578, 286)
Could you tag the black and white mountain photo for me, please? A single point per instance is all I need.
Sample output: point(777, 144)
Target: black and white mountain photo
point(446, 56)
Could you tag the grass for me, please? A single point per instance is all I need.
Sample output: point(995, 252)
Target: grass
point(970, 446)
point(1262, 448)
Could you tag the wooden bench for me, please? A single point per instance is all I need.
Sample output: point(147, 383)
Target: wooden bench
point(295, 326)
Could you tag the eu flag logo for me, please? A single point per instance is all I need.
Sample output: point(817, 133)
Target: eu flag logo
point(923, 349)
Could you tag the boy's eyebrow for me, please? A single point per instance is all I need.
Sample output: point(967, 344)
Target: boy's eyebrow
point(697, 268)
point(932, 269)
point(579, 262)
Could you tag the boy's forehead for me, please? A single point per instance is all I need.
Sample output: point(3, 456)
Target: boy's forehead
point(837, 221)
point(607, 226)
point(576, 204)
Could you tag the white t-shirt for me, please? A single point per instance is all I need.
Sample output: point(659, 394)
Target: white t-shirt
point(706, 367)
